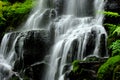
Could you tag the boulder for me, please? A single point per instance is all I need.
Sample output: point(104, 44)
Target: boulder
point(32, 46)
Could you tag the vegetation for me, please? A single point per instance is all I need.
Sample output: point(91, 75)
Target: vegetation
point(111, 14)
point(110, 70)
point(105, 72)
point(13, 13)
point(75, 66)
point(115, 46)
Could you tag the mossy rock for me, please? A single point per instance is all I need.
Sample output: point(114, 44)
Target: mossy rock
point(116, 74)
point(76, 66)
point(92, 58)
point(105, 72)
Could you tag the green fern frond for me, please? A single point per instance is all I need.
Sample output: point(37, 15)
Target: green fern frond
point(111, 14)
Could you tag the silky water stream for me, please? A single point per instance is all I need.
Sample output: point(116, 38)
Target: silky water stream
point(78, 34)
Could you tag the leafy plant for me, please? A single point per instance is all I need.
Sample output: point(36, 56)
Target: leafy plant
point(115, 48)
point(111, 14)
point(105, 72)
point(111, 27)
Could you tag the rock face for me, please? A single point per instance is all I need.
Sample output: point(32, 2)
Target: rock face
point(81, 71)
point(34, 45)
point(113, 5)
point(31, 47)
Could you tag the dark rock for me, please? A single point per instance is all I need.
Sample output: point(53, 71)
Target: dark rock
point(35, 71)
point(31, 48)
point(72, 55)
point(34, 45)
point(59, 5)
point(90, 45)
point(84, 70)
point(103, 45)
point(113, 6)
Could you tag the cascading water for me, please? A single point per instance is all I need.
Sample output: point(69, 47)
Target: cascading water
point(8, 53)
point(78, 34)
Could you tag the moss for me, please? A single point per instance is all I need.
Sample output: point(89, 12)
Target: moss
point(11, 13)
point(105, 72)
point(116, 73)
point(75, 66)
point(92, 58)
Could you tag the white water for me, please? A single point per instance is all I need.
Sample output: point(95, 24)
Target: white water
point(74, 27)
point(34, 21)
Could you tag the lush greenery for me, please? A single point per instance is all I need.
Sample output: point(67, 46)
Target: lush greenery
point(13, 14)
point(115, 46)
point(110, 70)
point(105, 72)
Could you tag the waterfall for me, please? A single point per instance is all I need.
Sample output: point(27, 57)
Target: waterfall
point(36, 18)
point(77, 34)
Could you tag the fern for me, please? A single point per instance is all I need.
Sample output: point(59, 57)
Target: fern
point(111, 27)
point(117, 30)
point(111, 14)
point(115, 47)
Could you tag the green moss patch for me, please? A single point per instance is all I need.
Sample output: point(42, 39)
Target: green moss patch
point(105, 72)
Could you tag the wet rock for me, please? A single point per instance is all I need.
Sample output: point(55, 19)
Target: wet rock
point(35, 71)
point(59, 5)
point(103, 45)
point(33, 46)
point(90, 45)
point(5, 71)
point(73, 51)
point(31, 49)
point(81, 70)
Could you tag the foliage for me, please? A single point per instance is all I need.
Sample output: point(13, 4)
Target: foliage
point(14, 11)
point(111, 27)
point(75, 65)
point(115, 48)
point(111, 14)
point(13, 14)
point(92, 58)
point(117, 31)
point(116, 73)
point(113, 32)
point(105, 72)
